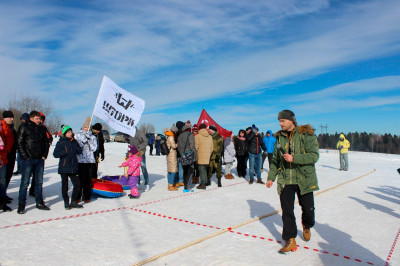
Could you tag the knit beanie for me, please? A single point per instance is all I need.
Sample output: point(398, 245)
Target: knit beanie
point(25, 116)
point(65, 129)
point(287, 114)
point(7, 114)
point(213, 127)
point(195, 128)
point(174, 128)
point(97, 126)
point(132, 149)
point(86, 123)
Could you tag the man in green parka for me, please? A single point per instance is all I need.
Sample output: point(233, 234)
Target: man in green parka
point(216, 155)
point(296, 152)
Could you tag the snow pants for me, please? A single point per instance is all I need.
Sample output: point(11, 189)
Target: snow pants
point(132, 181)
point(344, 161)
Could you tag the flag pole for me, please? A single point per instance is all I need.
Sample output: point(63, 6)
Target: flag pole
point(97, 99)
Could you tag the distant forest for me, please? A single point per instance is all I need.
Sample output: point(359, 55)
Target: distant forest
point(363, 142)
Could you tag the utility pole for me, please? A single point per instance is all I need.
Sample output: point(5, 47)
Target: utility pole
point(326, 129)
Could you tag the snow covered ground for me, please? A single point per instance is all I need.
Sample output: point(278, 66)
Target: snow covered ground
point(356, 223)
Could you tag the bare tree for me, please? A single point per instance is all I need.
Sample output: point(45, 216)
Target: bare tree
point(27, 103)
point(147, 128)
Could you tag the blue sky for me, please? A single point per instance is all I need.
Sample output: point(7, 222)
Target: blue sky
point(334, 63)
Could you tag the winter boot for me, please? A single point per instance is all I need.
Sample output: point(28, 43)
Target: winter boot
point(172, 188)
point(21, 208)
point(135, 192)
point(219, 182)
point(195, 180)
point(132, 196)
point(306, 233)
point(4, 207)
point(231, 176)
point(290, 245)
point(42, 206)
point(187, 190)
point(180, 184)
point(75, 204)
point(259, 181)
point(208, 181)
point(66, 205)
point(251, 181)
point(201, 186)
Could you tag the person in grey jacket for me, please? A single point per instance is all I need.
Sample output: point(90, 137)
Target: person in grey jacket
point(140, 142)
point(186, 144)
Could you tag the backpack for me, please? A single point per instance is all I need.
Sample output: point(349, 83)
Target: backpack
point(164, 147)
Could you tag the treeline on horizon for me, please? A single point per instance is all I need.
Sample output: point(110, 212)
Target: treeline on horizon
point(366, 142)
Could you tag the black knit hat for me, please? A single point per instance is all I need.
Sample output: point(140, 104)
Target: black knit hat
point(213, 127)
point(287, 114)
point(97, 126)
point(7, 114)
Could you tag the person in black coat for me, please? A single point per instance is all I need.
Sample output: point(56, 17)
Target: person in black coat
point(33, 147)
point(241, 153)
point(66, 149)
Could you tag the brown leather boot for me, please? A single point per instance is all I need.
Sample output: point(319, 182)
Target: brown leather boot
point(195, 180)
point(180, 184)
point(290, 245)
point(231, 176)
point(172, 188)
point(227, 176)
point(306, 233)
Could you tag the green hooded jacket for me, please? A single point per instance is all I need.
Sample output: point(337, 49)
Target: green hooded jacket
point(303, 145)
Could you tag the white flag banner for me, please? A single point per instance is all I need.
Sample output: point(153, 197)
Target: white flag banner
point(120, 109)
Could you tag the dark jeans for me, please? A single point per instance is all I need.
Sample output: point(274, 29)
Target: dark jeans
point(64, 187)
point(158, 150)
point(86, 171)
point(270, 155)
point(255, 165)
point(144, 171)
point(241, 165)
point(28, 167)
point(3, 183)
point(19, 162)
point(187, 174)
point(264, 156)
point(10, 167)
point(151, 148)
point(287, 203)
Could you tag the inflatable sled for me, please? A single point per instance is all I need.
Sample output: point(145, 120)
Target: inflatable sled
point(119, 179)
point(106, 188)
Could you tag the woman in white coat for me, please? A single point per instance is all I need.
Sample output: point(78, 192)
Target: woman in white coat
point(229, 156)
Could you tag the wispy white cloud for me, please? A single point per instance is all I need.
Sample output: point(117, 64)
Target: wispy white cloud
point(175, 52)
point(357, 88)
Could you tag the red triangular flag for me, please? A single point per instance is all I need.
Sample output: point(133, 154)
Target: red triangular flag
point(206, 119)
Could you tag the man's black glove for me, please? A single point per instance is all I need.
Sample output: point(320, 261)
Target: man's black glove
point(102, 157)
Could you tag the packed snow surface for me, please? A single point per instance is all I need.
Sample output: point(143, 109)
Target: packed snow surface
point(356, 223)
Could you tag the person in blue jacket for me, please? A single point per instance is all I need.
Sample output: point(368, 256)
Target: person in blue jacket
point(151, 143)
point(269, 141)
point(66, 149)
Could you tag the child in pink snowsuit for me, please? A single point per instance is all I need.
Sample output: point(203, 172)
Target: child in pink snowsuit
point(133, 163)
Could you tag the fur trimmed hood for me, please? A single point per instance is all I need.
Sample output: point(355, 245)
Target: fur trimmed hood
point(303, 129)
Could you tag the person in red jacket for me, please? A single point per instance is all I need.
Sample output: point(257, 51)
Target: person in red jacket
point(8, 140)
